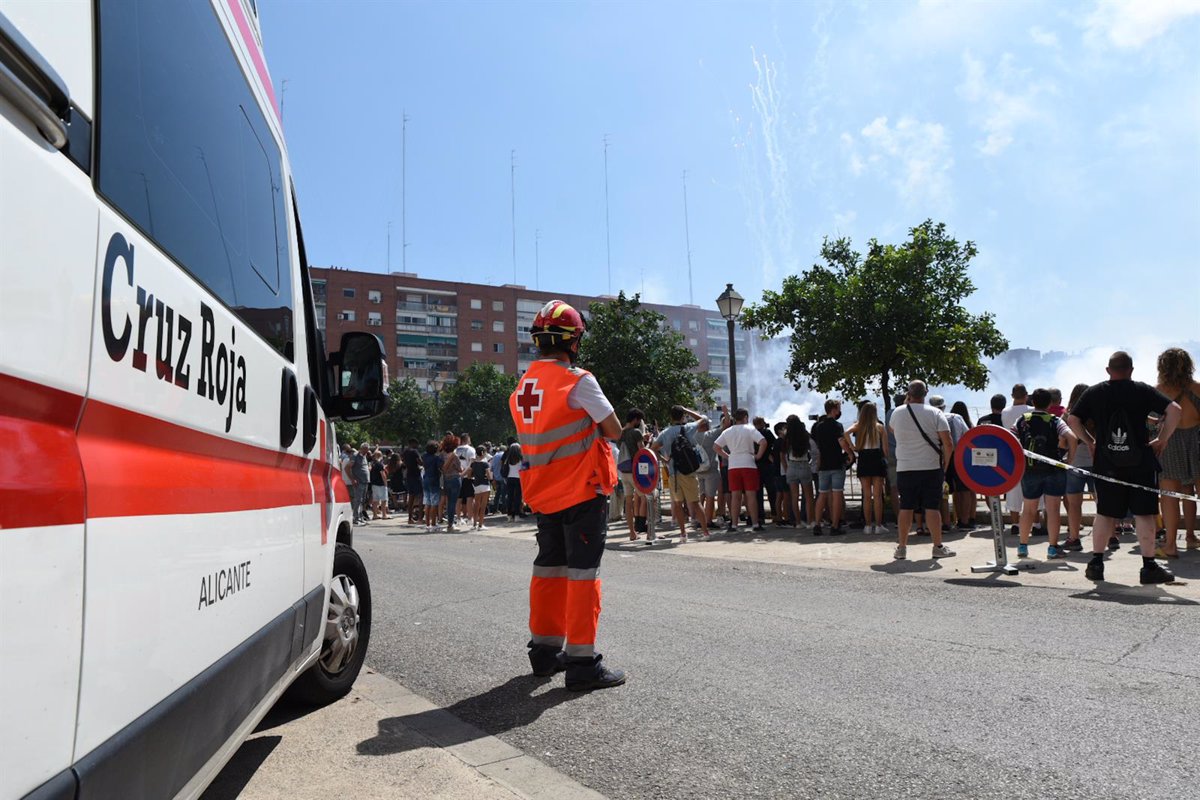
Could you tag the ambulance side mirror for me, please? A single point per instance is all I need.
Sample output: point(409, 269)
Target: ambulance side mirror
point(360, 378)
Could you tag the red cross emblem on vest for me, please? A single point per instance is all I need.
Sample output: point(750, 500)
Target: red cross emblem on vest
point(529, 399)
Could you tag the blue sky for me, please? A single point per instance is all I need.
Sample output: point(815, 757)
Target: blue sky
point(1063, 138)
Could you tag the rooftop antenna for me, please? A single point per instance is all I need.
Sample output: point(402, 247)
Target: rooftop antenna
point(403, 193)
point(607, 236)
point(513, 190)
point(688, 239)
point(537, 236)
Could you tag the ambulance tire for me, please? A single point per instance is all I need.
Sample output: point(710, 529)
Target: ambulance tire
point(327, 680)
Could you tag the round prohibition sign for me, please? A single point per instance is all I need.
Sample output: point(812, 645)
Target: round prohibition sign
point(989, 460)
point(645, 471)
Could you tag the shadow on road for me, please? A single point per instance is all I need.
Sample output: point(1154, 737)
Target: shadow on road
point(510, 705)
point(915, 565)
point(1133, 595)
point(241, 768)
point(983, 583)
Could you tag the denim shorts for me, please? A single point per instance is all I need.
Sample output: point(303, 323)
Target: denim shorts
point(1077, 484)
point(1035, 484)
point(831, 480)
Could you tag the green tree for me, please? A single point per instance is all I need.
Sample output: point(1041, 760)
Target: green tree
point(478, 404)
point(873, 323)
point(640, 361)
point(410, 413)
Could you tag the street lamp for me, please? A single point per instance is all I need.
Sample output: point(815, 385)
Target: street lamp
point(730, 305)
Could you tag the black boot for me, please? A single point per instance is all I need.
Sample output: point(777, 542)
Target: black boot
point(546, 660)
point(585, 674)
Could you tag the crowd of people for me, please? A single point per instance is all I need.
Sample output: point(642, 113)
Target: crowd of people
point(792, 475)
point(444, 485)
point(742, 472)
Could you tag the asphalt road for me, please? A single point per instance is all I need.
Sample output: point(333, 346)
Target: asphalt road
point(756, 680)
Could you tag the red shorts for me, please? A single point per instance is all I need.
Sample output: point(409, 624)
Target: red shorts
point(744, 480)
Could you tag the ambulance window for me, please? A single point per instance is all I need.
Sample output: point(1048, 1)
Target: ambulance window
point(185, 153)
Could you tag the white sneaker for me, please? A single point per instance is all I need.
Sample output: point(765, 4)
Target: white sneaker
point(941, 551)
point(482, 527)
point(901, 553)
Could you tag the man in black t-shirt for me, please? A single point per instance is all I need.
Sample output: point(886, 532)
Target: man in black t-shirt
point(1122, 449)
point(835, 454)
point(999, 401)
point(411, 459)
point(768, 470)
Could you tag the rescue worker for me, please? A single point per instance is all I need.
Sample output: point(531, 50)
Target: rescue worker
point(563, 419)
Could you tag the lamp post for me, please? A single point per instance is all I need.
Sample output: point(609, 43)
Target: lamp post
point(730, 305)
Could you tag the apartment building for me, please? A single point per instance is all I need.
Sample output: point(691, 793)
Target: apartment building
point(431, 329)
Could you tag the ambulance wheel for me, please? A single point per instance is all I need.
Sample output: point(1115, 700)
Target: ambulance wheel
point(346, 634)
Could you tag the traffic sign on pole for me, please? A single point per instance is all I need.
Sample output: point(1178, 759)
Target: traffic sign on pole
point(645, 471)
point(990, 460)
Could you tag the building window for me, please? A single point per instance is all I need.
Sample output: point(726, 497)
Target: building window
point(476, 324)
point(497, 305)
point(476, 347)
point(374, 296)
point(497, 326)
point(693, 325)
point(374, 318)
point(346, 316)
point(347, 293)
point(692, 342)
point(476, 304)
point(676, 324)
point(498, 347)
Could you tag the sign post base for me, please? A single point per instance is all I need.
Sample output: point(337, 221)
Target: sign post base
point(1000, 563)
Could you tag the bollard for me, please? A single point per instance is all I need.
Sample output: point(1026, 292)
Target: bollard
point(1000, 562)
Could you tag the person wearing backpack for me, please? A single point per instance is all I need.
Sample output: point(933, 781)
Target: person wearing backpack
point(684, 458)
point(1122, 449)
point(1041, 432)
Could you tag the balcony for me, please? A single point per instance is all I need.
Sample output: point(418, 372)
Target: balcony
point(441, 308)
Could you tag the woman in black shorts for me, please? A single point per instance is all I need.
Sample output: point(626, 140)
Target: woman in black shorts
point(870, 443)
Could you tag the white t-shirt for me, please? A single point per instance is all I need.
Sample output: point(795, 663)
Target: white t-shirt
point(1010, 415)
point(913, 453)
point(742, 442)
point(465, 453)
point(588, 396)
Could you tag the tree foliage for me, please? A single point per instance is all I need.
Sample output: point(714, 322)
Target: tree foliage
point(478, 404)
point(411, 414)
point(874, 322)
point(640, 361)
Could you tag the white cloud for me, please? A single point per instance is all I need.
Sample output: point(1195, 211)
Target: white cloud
point(1003, 104)
point(843, 220)
point(1043, 37)
point(915, 156)
point(1129, 24)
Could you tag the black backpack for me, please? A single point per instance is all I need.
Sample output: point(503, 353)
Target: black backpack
point(1118, 441)
point(1039, 434)
point(684, 458)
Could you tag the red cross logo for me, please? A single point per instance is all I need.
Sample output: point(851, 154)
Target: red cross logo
point(529, 399)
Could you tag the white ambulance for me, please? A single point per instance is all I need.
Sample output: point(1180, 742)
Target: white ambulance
point(174, 534)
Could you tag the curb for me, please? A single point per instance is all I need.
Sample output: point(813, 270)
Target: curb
point(489, 756)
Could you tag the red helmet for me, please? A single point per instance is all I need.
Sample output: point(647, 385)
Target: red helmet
point(557, 324)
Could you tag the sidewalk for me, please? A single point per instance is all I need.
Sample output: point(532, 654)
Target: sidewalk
point(856, 551)
point(383, 741)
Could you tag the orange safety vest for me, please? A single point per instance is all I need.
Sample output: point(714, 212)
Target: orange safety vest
point(566, 460)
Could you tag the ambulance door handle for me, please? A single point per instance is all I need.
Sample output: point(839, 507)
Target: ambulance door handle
point(310, 419)
point(289, 408)
point(32, 85)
